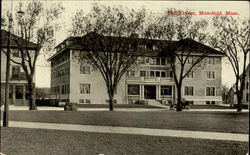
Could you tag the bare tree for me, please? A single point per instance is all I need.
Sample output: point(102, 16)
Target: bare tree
point(232, 37)
point(37, 25)
point(112, 47)
point(185, 54)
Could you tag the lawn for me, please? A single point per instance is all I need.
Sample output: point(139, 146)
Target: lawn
point(231, 122)
point(39, 141)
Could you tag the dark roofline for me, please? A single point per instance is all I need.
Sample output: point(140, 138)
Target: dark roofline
point(14, 39)
point(77, 43)
point(203, 46)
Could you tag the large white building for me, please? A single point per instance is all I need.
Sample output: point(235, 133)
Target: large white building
point(150, 79)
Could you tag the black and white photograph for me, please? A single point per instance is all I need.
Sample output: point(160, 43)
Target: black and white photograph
point(124, 77)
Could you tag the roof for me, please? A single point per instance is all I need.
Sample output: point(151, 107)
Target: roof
point(14, 41)
point(93, 41)
point(196, 47)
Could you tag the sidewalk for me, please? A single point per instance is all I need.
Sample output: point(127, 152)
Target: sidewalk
point(133, 130)
point(11, 107)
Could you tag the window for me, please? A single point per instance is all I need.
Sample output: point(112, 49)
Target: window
point(142, 73)
point(189, 91)
point(170, 73)
point(152, 73)
point(132, 73)
point(210, 75)
point(163, 74)
point(152, 61)
point(10, 91)
point(85, 88)
point(166, 90)
point(190, 60)
point(211, 61)
point(27, 92)
point(19, 92)
point(63, 89)
point(168, 60)
point(88, 101)
point(81, 100)
point(15, 72)
point(133, 89)
point(163, 61)
point(67, 70)
point(158, 61)
point(190, 74)
point(84, 70)
point(142, 60)
point(210, 91)
point(247, 97)
point(63, 73)
point(157, 73)
point(247, 85)
point(67, 89)
point(147, 60)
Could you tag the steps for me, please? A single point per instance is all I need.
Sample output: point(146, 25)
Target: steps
point(156, 103)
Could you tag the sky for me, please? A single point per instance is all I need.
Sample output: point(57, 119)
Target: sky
point(42, 76)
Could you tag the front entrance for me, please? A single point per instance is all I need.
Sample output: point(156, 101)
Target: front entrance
point(149, 92)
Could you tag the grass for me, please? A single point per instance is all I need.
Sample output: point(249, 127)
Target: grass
point(231, 122)
point(38, 141)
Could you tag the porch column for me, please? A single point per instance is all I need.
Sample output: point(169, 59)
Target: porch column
point(13, 94)
point(24, 94)
point(141, 91)
point(158, 92)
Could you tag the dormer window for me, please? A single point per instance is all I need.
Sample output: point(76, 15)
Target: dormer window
point(142, 46)
point(68, 42)
point(62, 46)
point(149, 46)
point(155, 47)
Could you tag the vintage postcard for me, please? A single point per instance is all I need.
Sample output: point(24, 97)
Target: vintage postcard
point(124, 77)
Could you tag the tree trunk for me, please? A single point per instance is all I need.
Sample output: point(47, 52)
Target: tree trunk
point(32, 104)
point(178, 97)
point(239, 98)
point(111, 102)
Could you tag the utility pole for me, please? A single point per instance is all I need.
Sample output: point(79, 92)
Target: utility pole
point(6, 105)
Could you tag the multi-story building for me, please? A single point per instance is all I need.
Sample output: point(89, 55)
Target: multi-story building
point(151, 79)
point(18, 83)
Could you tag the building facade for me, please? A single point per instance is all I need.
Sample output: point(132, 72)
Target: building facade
point(18, 85)
point(151, 79)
